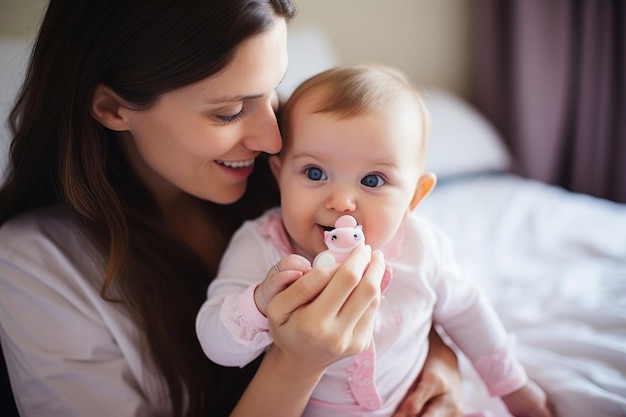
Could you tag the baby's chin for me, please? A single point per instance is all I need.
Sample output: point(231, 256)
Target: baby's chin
point(312, 253)
point(308, 250)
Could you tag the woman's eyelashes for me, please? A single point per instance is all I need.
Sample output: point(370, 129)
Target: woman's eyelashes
point(232, 117)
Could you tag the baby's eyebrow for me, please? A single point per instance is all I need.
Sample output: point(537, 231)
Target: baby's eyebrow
point(308, 156)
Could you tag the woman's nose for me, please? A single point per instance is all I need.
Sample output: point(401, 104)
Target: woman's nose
point(263, 134)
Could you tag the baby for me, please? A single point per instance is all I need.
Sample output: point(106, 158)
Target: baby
point(355, 141)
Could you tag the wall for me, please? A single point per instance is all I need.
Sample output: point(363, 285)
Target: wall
point(20, 18)
point(431, 40)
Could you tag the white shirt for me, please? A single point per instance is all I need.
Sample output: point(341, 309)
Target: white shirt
point(427, 284)
point(68, 351)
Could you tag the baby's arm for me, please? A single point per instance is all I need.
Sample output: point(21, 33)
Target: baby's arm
point(481, 335)
point(230, 327)
point(505, 377)
point(466, 314)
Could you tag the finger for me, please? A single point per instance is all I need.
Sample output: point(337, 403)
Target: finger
point(287, 270)
point(363, 330)
point(442, 406)
point(364, 327)
point(361, 307)
point(344, 281)
point(412, 405)
point(442, 409)
point(301, 292)
point(283, 279)
point(424, 392)
point(295, 262)
point(358, 315)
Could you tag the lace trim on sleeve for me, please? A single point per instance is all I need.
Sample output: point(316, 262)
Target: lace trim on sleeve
point(244, 321)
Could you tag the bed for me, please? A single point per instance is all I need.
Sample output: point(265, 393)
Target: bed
point(553, 262)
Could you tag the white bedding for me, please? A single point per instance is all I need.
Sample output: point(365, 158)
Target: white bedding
point(554, 264)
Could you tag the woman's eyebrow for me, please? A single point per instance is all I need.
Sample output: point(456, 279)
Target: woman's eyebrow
point(234, 99)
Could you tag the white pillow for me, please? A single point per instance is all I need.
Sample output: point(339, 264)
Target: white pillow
point(462, 141)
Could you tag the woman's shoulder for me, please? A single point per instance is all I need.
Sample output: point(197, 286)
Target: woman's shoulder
point(44, 242)
point(36, 230)
point(52, 313)
point(36, 222)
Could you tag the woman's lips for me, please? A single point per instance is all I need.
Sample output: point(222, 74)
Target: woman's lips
point(239, 169)
point(236, 164)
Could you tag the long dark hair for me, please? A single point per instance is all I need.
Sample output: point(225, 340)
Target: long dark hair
point(62, 155)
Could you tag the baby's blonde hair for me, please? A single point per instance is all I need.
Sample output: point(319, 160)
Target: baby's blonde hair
point(351, 90)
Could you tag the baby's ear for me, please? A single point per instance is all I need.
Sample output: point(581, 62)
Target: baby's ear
point(425, 185)
point(275, 165)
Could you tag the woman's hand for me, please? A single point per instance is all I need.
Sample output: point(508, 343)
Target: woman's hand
point(329, 313)
point(324, 316)
point(437, 390)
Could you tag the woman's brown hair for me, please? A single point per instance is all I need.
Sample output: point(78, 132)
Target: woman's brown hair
point(60, 155)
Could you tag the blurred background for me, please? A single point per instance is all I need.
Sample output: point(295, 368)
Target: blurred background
point(431, 40)
point(550, 75)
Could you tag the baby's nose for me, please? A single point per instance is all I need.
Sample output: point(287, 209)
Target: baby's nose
point(341, 200)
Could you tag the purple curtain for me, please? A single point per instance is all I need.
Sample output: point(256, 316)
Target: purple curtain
point(552, 78)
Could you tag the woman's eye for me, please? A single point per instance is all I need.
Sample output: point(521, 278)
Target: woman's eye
point(372, 180)
point(315, 174)
point(233, 117)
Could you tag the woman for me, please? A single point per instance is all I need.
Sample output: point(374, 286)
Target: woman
point(135, 133)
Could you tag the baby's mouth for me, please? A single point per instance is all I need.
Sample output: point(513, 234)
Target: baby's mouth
point(323, 229)
point(326, 228)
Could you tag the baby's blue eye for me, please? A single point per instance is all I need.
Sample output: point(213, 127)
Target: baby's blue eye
point(315, 174)
point(372, 180)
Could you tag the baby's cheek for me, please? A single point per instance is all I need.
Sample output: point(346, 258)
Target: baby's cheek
point(389, 220)
point(381, 237)
point(375, 236)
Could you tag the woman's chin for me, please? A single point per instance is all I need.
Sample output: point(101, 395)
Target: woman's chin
point(225, 196)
